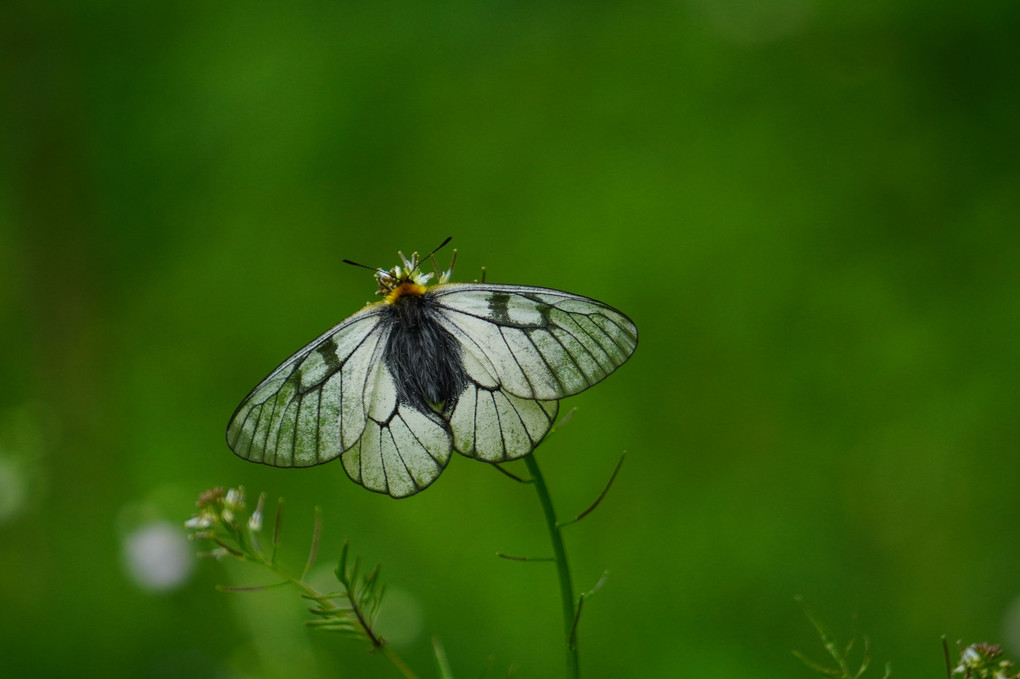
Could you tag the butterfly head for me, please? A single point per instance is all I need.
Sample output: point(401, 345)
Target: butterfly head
point(407, 278)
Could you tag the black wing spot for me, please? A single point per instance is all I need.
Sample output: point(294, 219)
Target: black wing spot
point(499, 307)
point(328, 351)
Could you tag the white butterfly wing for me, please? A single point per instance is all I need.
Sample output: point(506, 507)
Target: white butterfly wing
point(523, 348)
point(335, 397)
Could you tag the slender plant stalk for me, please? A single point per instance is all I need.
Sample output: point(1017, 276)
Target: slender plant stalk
point(562, 567)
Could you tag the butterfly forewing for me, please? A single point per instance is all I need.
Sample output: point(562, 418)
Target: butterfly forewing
point(310, 406)
point(535, 342)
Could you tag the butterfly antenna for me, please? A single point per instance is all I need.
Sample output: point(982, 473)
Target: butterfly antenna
point(429, 256)
point(410, 265)
point(363, 266)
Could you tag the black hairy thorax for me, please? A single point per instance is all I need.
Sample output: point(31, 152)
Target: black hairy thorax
point(423, 357)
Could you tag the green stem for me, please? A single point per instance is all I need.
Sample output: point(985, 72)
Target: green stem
point(563, 569)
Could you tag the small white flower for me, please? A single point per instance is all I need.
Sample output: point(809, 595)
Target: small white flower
point(235, 498)
point(969, 658)
point(199, 521)
point(255, 521)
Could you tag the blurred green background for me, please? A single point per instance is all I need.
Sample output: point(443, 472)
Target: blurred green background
point(808, 208)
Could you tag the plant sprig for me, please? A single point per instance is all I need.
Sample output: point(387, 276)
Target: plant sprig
point(841, 655)
point(222, 519)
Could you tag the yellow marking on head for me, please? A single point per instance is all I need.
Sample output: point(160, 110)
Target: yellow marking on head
point(406, 288)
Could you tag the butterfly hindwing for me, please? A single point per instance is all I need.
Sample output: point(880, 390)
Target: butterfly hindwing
point(401, 455)
point(495, 426)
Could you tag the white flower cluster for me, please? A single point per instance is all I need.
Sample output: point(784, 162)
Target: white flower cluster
point(217, 517)
point(981, 661)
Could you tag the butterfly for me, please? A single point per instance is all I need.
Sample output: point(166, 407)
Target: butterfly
point(394, 389)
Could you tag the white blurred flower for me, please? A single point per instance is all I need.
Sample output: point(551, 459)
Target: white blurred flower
point(157, 556)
